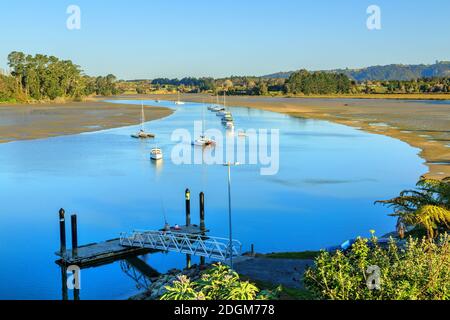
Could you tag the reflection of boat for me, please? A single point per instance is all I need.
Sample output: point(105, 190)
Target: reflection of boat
point(179, 102)
point(242, 134)
point(142, 134)
point(156, 154)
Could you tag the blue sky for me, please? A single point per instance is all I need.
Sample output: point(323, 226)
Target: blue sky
point(177, 38)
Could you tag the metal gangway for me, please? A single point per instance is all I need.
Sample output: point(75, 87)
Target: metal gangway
point(193, 244)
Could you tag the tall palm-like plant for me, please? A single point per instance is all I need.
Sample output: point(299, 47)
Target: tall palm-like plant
point(428, 206)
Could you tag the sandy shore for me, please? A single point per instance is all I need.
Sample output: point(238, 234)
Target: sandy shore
point(421, 124)
point(25, 122)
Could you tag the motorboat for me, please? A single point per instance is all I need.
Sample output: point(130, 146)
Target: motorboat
point(156, 154)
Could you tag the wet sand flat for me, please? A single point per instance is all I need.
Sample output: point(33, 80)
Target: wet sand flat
point(422, 124)
point(35, 121)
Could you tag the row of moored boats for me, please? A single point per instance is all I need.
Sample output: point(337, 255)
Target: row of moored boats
point(203, 141)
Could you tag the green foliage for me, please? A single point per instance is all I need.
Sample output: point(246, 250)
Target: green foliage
point(43, 77)
point(304, 82)
point(393, 72)
point(428, 207)
point(419, 271)
point(218, 283)
point(9, 89)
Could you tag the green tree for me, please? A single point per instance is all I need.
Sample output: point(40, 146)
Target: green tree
point(427, 207)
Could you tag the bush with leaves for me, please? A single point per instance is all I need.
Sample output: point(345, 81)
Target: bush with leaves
point(217, 283)
point(420, 270)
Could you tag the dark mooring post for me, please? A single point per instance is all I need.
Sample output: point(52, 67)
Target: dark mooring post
point(202, 221)
point(202, 212)
point(76, 294)
point(65, 295)
point(73, 220)
point(188, 261)
point(62, 232)
point(188, 207)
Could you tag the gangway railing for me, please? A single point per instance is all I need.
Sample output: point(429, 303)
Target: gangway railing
point(194, 244)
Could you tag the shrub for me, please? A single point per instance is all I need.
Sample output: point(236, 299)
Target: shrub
point(420, 270)
point(218, 283)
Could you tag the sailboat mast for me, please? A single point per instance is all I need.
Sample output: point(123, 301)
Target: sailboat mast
point(203, 118)
point(142, 115)
point(224, 99)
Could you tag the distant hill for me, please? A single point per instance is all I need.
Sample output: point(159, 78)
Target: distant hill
point(389, 72)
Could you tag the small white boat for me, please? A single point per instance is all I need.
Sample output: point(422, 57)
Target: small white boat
point(229, 125)
point(203, 141)
point(142, 134)
point(179, 102)
point(227, 119)
point(156, 154)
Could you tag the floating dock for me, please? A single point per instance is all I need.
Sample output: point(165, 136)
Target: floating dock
point(96, 254)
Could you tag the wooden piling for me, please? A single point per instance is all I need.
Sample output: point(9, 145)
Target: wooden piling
point(188, 207)
point(188, 261)
point(64, 289)
point(62, 231)
point(73, 220)
point(202, 221)
point(202, 211)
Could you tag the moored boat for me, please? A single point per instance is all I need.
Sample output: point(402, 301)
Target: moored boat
point(156, 154)
point(142, 134)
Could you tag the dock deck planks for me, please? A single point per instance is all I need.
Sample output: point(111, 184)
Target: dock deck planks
point(99, 253)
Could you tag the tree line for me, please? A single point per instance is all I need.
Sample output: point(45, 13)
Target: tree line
point(41, 77)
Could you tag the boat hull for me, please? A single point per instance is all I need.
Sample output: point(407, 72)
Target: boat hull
point(143, 136)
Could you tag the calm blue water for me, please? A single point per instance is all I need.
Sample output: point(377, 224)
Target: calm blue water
point(329, 177)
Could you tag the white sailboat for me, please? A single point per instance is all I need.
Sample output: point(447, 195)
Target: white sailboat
point(179, 102)
point(223, 111)
point(203, 141)
point(142, 134)
point(229, 124)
